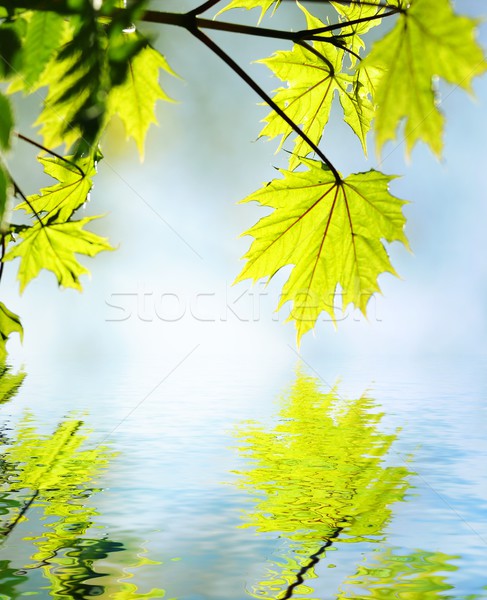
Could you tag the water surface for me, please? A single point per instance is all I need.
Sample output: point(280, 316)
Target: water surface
point(200, 475)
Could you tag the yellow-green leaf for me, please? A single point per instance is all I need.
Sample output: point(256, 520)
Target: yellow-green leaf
point(313, 77)
point(134, 101)
point(429, 40)
point(42, 40)
point(59, 201)
point(354, 12)
point(264, 5)
point(332, 233)
point(53, 247)
point(55, 117)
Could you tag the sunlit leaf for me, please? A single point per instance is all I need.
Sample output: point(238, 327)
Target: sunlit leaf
point(93, 58)
point(88, 79)
point(53, 247)
point(134, 101)
point(314, 76)
point(60, 201)
point(332, 233)
point(429, 40)
point(363, 17)
point(54, 118)
point(42, 40)
point(264, 5)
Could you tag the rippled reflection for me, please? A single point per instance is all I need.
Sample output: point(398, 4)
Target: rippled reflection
point(46, 530)
point(390, 573)
point(9, 382)
point(318, 477)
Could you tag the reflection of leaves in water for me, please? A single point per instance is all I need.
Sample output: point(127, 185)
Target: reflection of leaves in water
point(387, 574)
point(46, 482)
point(317, 477)
point(9, 383)
point(10, 578)
point(116, 586)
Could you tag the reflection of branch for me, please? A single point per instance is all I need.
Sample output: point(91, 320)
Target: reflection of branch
point(314, 559)
point(10, 526)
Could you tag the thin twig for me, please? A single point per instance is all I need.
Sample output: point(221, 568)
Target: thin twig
point(306, 34)
point(313, 50)
point(203, 7)
point(318, 54)
point(191, 19)
point(10, 526)
point(55, 154)
point(358, 3)
point(251, 83)
point(18, 191)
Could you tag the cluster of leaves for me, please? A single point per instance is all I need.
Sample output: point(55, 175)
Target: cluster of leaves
point(329, 228)
point(88, 66)
point(93, 64)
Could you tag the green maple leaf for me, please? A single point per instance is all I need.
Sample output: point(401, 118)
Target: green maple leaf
point(55, 116)
point(9, 323)
point(355, 12)
point(53, 247)
point(264, 5)
point(429, 40)
point(60, 201)
point(331, 232)
point(313, 79)
point(42, 40)
point(134, 100)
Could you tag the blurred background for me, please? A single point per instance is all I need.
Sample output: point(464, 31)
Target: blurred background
point(175, 223)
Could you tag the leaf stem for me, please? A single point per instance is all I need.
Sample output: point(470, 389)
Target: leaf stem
point(312, 33)
point(55, 154)
point(18, 191)
point(203, 7)
point(191, 19)
point(252, 84)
